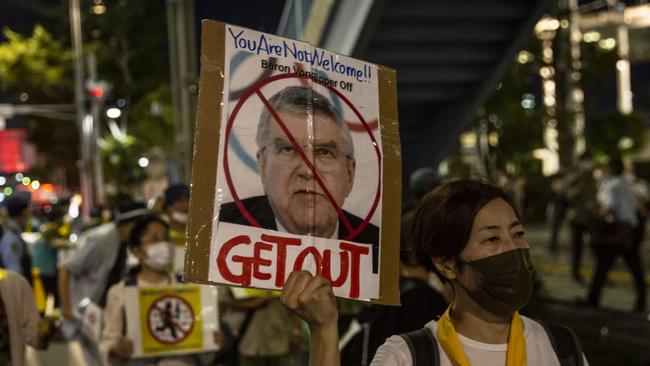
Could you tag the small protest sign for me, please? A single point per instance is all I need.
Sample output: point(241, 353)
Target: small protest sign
point(171, 320)
point(296, 167)
point(91, 321)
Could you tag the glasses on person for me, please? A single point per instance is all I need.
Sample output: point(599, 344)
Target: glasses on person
point(326, 157)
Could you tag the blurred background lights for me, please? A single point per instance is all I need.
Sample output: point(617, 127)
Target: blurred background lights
point(528, 101)
point(607, 44)
point(19, 177)
point(625, 143)
point(143, 162)
point(113, 113)
point(26, 181)
point(525, 57)
point(591, 37)
point(3, 181)
point(36, 185)
point(99, 9)
point(8, 191)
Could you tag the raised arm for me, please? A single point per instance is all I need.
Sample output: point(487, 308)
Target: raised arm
point(312, 299)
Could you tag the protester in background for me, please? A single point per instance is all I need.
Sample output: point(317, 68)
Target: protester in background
point(613, 234)
point(470, 234)
point(149, 242)
point(19, 320)
point(421, 182)
point(640, 189)
point(14, 254)
point(581, 196)
point(99, 263)
point(177, 205)
point(557, 206)
point(263, 334)
point(46, 251)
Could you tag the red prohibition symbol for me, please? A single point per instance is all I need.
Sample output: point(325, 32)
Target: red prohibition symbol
point(255, 89)
point(170, 319)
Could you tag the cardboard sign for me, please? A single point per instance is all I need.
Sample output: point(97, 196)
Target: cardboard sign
point(171, 320)
point(296, 166)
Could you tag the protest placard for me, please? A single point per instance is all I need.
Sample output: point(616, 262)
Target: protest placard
point(91, 321)
point(171, 320)
point(296, 166)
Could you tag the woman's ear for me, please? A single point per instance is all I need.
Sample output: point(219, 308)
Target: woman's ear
point(445, 266)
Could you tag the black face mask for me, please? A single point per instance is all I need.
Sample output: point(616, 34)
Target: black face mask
point(504, 281)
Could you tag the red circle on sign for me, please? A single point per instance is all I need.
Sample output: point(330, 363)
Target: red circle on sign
point(153, 307)
point(254, 89)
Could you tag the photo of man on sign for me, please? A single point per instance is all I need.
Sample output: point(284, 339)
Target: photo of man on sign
point(315, 150)
point(296, 159)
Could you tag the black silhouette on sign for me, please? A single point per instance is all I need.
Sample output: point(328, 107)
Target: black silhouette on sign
point(170, 319)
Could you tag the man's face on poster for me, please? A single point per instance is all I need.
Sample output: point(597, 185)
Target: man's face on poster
point(297, 200)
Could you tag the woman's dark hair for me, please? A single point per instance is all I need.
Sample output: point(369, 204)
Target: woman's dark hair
point(140, 227)
point(443, 220)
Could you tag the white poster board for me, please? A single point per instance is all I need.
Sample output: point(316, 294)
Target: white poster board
point(171, 320)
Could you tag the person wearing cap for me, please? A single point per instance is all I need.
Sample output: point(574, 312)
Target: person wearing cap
point(14, 255)
point(98, 263)
point(177, 204)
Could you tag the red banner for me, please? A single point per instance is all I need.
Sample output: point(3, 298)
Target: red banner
point(11, 150)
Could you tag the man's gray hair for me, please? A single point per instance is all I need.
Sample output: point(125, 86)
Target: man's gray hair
point(301, 99)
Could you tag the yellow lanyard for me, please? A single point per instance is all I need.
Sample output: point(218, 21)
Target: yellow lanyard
point(448, 338)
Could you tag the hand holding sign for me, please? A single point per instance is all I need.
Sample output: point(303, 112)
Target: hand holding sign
point(123, 348)
point(310, 297)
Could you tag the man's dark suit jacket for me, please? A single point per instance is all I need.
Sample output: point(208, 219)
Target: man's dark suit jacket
point(260, 209)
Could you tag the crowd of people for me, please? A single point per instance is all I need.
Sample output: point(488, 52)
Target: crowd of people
point(608, 206)
point(465, 272)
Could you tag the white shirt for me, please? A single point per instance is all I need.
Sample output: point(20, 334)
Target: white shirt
point(539, 351)
point(617, 195)
point(91, 264)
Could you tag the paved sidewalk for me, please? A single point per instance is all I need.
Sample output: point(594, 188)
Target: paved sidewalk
point(554, 269)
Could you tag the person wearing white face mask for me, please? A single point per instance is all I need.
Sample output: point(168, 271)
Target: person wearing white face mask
point(150, 244)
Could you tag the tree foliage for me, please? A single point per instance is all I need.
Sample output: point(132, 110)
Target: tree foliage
point(129, 41)
point(519, 129)
point(38, 64)
point(120, 158)
point(615, 133)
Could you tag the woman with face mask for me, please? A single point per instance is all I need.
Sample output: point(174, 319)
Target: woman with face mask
point(150, 243)
point(473, 239)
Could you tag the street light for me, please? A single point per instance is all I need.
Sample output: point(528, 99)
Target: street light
point(113, 113)
point(143, 162)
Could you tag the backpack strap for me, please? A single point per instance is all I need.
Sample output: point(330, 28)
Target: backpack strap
point(423, 347)
point(565, 344)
